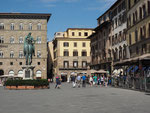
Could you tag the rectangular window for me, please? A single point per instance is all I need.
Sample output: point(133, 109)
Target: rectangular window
point(130, 41)
point(83, 44)
point(86, 34)
point(38, 54)
point(11, 63)
point(144, 31)
point(144, 49)
point(20, 54)
point(133, 18)
point(84, 64)
point(66, 64)
point(66, 44)
point(141, 33)
point(144, 11)
point(75, 64)
point(12, 26)
point(1, 54)
point(1, 40)
point(11, 54)
point(136, 17)
point(129, 4)
point(73, 34)
point(79, 33)
point(66, 53)
point(1, 63)
point(20, 63)
point(1, 26)
point(84, 53)
point(136, 36)
point(75, 53)
point(75, 44)
point(140, 12)
point(38, 63)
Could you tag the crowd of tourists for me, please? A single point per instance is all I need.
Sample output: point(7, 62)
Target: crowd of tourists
point(83, 80)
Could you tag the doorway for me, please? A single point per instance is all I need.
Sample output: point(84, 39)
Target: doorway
point(1, 72)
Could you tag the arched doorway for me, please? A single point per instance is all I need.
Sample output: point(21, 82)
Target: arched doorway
point(20, 73)
point(1, 72)
point(11, 73)
point(38, 74)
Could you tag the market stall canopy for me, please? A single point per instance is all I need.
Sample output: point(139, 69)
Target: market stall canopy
point(93, 71)
point(6, 76)
point(84, 72)
point(101, 71)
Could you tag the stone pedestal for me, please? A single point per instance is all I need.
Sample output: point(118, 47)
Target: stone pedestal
point(28, 72)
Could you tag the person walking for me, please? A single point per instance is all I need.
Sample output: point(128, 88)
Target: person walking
point(73, 81)
point(102, 80)
point(78, 80)
point(58, 82)
point(106, 81)
point(91, 81)
point(83, 81)
point(95, 80)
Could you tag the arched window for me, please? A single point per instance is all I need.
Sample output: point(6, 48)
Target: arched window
point(120, 52)
point(20, 73)
point(39, 54)
point(39, 26)
point(124, 51)
point(21, 26)
point(12, 26)
point(30, 26)
point(1, 26)
point(20, 54)
point(1, 39)
point(1, 54)
point(12, 40)
point(20, 40)
point(38, 74)
point(11, 73)
point(11, 54)
point(38, 40)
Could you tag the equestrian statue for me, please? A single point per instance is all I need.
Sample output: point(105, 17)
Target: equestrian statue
point(29, 48)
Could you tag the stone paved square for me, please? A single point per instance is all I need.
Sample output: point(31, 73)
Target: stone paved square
point(74, 100)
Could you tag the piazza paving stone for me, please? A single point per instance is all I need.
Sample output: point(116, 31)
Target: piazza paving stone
point(74, 100)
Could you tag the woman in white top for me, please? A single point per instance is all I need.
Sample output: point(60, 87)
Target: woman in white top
point(91, 80)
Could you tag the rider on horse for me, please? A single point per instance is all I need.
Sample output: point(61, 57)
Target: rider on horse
point(29, 48)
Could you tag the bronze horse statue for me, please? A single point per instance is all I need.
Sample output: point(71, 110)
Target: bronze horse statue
point(29, 48)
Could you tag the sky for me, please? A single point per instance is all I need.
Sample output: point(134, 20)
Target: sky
point(64, 13)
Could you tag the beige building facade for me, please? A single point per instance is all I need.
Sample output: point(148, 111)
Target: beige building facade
point(13, 29)
point(101, 44)
point(71, 51)
point(138, 27)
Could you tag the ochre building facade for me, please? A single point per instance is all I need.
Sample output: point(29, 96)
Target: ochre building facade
point(71, 52)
